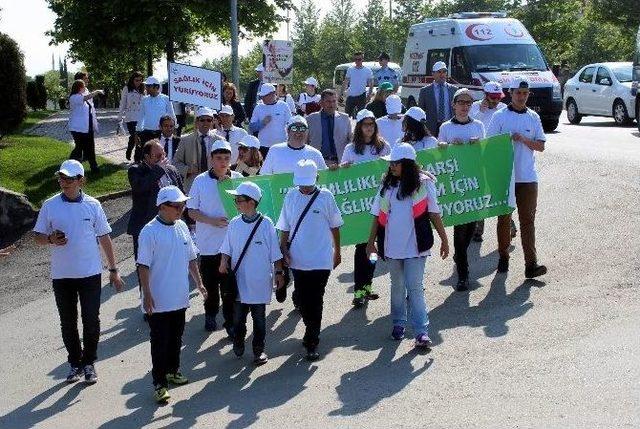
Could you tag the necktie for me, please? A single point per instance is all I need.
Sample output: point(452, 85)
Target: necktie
point(166, 146)
point(441, 103)
point(226, 134)
point(203, 154)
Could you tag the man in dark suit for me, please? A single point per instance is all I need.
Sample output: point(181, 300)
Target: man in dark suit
point(168, 141)
point(436, 99)
point(251, 97)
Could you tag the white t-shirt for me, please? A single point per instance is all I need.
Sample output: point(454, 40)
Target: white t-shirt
point(390, 129)
point(400, 234)
point(484, 117)
point(167, 250)
point(152, 109)
point(527, 124)
point(255, 273)
point(79, 110)
point(82, 222)
point(312, 247)
point(428, 142)
point(369, 153)
point(282, 158)
point(452, 129)
point(276, 130)
point(359, 78)
point(206, 199)
point(290, 102)
point(305, 98)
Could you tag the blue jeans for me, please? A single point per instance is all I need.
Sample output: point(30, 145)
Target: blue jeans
point(406, 286)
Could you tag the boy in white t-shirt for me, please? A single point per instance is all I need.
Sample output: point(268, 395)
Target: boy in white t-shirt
point(253, 268)
point(166, 257)
point(390, 126)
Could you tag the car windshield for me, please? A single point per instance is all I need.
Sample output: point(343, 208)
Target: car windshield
point(505, 57)
point(622, 72)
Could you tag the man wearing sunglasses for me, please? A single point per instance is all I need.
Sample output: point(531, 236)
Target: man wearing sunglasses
point(154, 106)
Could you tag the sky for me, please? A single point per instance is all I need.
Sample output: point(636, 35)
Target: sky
point(37, 52)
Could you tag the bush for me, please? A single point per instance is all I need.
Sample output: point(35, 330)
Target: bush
point(32, 95)
point(13, 108)
point(41, 92)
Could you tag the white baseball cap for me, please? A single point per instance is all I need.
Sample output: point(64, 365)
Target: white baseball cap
point(519, 82)
point(259, 68)
point(401, 151)
point(248, 189)
point(71, 168)
point(305, 173)
point(220, 144)
point(439, 66)
point(393, 103)
point(461, 93)
point(416, 113)
point(250, 141)
point(492, 87)
point(152, 80)
point(297, 119)
point(311, 81)
point(226, 110)
point(170, 194)
point(363, 114)
point(266, 89)
point(205, 111)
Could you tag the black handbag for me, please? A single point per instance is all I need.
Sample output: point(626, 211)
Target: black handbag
point(231, 280)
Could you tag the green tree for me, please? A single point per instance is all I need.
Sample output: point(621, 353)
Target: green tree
point(305, 43)
point(622, 13)
point(13, 108)
point(405, 14)
point(53, 85)
point(248, 64)
point(371, 31)
point(336, 39)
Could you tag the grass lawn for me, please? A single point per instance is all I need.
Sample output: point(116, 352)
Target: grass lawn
point(33, 118)
point(28, 165)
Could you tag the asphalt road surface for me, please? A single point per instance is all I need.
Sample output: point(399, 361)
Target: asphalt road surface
point(561, 351)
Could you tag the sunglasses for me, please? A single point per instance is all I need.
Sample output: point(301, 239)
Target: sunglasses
point(178, 206)
point(63, 178)
point(298, 128)
point(205, 120)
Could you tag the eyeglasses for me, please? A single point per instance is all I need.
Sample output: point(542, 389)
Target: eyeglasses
point(67, 179)
point(205, 120)
point(464, 102)
point(239, 200)
point(298, 128)
point(178, 206)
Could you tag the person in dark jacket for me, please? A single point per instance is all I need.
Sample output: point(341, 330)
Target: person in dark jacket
point(251, 97)
point(167, 138)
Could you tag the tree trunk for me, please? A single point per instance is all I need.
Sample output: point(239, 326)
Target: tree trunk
point(149, 63)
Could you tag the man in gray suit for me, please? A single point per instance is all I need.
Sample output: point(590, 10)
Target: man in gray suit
point(436, 99)
point(329, 130)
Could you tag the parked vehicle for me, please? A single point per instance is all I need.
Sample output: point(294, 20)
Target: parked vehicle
point(601, 89)
point(341, 70)
point(479, 47)
point(635, 85)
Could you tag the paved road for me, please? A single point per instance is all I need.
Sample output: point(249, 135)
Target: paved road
point(559, 352)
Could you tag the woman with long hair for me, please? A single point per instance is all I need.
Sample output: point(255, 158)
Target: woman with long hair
point(283, 94)
point(83, 123)
point(415, 130)
point(129, 113)
point(249, 156)
point(377, 105)
point(404, 210)
point(230, 97)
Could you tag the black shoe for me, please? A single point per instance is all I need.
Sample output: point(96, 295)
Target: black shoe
point(535, 270)
point(90, 374)
point(260, 359)
point(230, 333)
point(477, 238)
point(238, 348)
point(128, 154)
point(503, 265)
point(312, 355)
point(462, 285)
point(210, 324)
point(281, 294)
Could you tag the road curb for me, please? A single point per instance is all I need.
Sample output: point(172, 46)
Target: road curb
point(113, 195)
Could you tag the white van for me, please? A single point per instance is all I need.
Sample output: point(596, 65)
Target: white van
point(341, 70)
point(480, 47)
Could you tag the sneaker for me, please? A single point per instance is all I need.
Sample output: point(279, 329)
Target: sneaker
point(462, 285)
point(535, 270)
point(369, 293)
point(74, 374)
point(312, 355)
point(397, 333)
point(177, 378)
point(503, 265)
point(358, 298)
point(261, 359)
point(423, 341)
point(161, 395)
point(90, 375)
point(238, 348)
point(210, 324)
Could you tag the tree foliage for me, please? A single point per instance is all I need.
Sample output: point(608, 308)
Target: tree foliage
point(13, 108)
point(248, 64)
point(53, 85)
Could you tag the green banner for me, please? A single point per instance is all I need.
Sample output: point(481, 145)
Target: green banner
point(472, 184)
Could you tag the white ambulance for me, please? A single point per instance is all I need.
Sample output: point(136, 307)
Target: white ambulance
point(479, 47)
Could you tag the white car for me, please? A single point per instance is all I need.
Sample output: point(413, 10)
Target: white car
point(601, 89)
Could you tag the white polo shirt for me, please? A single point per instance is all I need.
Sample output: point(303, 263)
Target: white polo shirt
point(255, 273)
point(528, 124)
point(283, 158)
point(390, 129)
point(152, 109)
point(359, 78)
point(369, 153)
point(82, 222)
point(484, 117)
point(453, 129)
point(79, 114)
point(167, 249)
point(235, 135)
point(400, 233)
point(276, 130)
point(428, 142)
point(206, 198)
point(312, 247)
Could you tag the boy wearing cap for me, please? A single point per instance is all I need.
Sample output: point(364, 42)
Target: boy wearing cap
point(205, 207)
point(527, 136)
point(166, 257)
point(390, 125)
point(254, 268)
point(154, 105)
point(249, 156)
point(309, 101)
point(436, 98)
point(310, 245)
point(356, 81)
point(269, 118)
point(230, 132)
point(75, 226)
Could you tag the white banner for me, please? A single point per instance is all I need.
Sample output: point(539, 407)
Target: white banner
point(195, 85)
point(278, 65)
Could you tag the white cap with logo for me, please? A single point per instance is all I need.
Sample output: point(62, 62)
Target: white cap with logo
point(439, 66)
point(364, 114)
point(220, 144)
point(462, 92)
point(170, 194)
point(305, 173)
point(393, 103)
point(311, 81)
point(152, 80)
point(492, 87)
point(205, 111)
point(297, 120)
point(71, 168)
point(249, 141)
point(401, 151)
point(416, 113)
point(247, 189)
point(266, 89)
point(226, 110)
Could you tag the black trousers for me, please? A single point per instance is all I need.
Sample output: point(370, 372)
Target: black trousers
point(363, 269)
point(258, 315)
point(181, 123)
point(462, 235)
point(310, 286)
point(67, 292)
point(85, 148)
point(131, 128)
point(353, 104)
point(144, 136)
point(135, 258)
point(166, 331)
point(216, 289)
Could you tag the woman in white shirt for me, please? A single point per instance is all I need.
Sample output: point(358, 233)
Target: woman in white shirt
point(283, 95)
point(367, 145)
point(309, 101)
point(462, 129)
point(83, 124)
point(403, 210)
point(415, 130)
point(129, 113)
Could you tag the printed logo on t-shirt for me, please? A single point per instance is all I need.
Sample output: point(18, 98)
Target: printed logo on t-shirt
point(257, 242)
point(316, 211)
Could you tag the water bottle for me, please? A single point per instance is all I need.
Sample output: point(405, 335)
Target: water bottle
point(373, 258)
